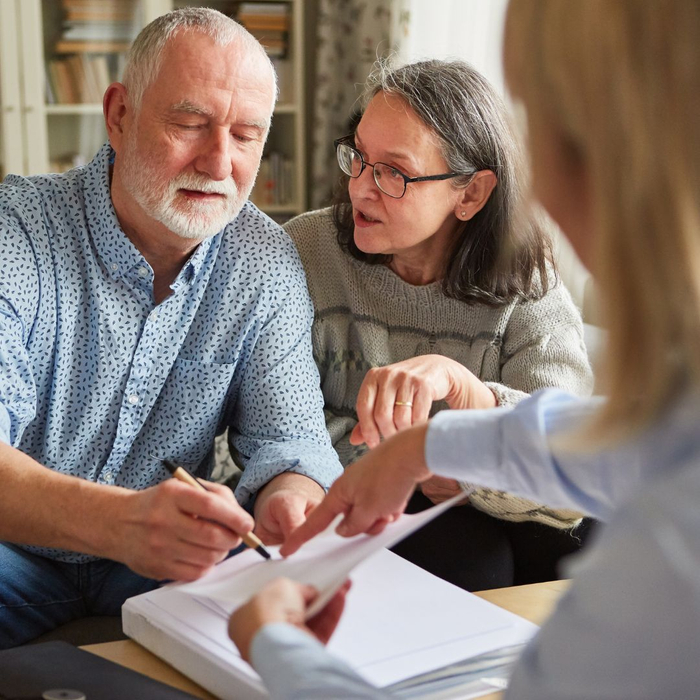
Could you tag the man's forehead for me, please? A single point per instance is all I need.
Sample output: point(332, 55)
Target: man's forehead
point(189, 106)
point(198, 76)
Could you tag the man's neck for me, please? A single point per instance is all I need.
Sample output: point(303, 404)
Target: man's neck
point(164, 251)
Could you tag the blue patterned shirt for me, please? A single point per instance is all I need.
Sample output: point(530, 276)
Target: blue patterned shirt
point(99, 382)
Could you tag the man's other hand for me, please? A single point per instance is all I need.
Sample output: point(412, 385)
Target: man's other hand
point(283, 504)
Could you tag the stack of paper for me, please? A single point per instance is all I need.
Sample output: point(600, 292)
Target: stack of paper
point(400, 622)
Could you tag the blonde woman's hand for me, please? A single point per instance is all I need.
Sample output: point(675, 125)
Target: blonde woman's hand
point(286, 601)
point(370, 493)
point(397, 396)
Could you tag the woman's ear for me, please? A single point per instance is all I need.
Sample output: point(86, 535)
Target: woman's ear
point(475, 194)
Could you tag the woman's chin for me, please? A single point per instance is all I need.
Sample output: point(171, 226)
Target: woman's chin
point(367, 243)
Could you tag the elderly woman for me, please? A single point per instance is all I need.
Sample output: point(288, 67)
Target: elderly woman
point(415, 312)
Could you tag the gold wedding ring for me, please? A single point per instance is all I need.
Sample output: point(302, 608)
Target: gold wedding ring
point(403, 403)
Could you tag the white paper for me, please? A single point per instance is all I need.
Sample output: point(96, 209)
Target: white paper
point(399, 621)
point(324, 562)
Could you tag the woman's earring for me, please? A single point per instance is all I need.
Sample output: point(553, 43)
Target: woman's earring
point(463, 214)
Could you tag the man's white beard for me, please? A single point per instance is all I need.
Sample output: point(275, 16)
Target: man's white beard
point(184, 216)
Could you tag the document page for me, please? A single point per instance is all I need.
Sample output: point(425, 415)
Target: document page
point(324, 562)
point(400, 621)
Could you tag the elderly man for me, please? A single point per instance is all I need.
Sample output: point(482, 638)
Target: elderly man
point(146, 305)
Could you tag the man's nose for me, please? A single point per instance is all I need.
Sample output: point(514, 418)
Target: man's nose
point(215, 157)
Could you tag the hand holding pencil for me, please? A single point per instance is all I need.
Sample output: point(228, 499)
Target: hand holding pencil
point(249, 539)
point(172, 530)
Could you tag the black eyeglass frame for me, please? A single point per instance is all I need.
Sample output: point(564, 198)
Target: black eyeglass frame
point(349, 142)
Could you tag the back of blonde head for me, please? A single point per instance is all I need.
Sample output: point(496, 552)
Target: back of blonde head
point(620, 81)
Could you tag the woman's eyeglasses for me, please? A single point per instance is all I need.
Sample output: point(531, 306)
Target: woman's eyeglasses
point(389, 179)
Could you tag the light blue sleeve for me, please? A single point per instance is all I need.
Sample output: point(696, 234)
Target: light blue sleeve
point(523, 450)
point(627, 629)
point(17, 389)
point(278, 424)
point(294, 666)
point(19, 291)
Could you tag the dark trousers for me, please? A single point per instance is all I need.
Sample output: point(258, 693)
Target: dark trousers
point(476, 551)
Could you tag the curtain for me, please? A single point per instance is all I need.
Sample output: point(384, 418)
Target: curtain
point(468, 29)
point(351, 35)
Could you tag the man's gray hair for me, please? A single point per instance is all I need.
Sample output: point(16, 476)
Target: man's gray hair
point(146, 54)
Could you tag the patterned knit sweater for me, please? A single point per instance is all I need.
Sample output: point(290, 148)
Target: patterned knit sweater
point(366, 316)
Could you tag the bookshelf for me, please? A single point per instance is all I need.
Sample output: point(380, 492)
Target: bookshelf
point(58, 56)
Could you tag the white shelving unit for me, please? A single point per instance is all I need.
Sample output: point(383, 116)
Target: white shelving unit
point(41, 133)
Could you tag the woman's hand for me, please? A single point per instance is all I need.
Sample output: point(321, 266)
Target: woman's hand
point(286, 601)
point(439, 489)
point(397, 396)
point(370, 493)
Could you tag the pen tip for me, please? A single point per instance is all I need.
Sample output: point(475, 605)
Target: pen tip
point(261, 550)
point(172, 468)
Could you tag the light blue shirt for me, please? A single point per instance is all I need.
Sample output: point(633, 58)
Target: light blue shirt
point(99, 382)
point(628, 626)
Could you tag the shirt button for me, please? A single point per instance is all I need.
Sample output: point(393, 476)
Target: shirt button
point(133, 399)
point(108, 475)
point(114, 266)
point(143, 272)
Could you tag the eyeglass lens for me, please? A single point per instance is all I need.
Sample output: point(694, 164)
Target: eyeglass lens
point(388, 179)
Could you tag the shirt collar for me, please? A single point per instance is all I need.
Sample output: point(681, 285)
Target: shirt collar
point(116, 252)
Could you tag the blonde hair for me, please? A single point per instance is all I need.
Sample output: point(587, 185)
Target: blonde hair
point(619, 82)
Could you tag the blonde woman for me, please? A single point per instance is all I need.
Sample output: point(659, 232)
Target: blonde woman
point(610, 90)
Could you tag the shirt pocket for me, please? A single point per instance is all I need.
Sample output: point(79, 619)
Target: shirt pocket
point(191, 406)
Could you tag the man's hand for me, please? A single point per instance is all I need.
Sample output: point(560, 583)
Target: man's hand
point(283, 504)
point(397, 396)
point(174, 531)
point(286, 601)
point(372, 492)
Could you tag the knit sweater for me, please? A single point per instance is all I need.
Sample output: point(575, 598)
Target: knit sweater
point(367, 316)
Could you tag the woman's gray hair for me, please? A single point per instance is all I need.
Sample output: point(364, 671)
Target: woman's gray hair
point(146, 54)
point(469, 122)
point(459, 106)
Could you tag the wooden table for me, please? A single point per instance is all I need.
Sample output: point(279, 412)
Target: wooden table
point(534, 603)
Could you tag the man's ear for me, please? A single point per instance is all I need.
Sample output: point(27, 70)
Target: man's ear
point(117, 111)
point(475, 194)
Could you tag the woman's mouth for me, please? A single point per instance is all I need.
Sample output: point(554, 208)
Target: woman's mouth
point(363, 220)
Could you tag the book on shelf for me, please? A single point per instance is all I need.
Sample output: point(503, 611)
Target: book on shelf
point(97, 26)
point(98, 31)
point(91, 46)
point(274, 185)
point(78, 79)
point(269, 23)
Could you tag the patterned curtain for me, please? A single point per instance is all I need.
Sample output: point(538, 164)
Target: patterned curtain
point(351, 35)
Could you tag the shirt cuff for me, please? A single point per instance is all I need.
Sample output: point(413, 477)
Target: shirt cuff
point(466, 445)
point(5, 426)
point(285, 658)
